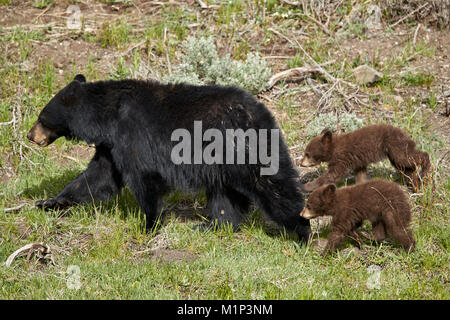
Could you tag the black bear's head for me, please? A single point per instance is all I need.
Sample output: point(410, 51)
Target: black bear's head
point(53, 121)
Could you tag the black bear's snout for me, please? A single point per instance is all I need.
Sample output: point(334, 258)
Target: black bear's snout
point(41, 135)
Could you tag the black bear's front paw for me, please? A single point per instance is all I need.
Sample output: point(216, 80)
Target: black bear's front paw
point(52, 203)
point(45, 204)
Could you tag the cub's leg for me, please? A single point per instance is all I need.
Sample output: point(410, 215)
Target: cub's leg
point(335, 238)
point(333, 175)
point(404, 156)
point(361, 175)
point(379, 232)
point(399, 232)
point(353, 234)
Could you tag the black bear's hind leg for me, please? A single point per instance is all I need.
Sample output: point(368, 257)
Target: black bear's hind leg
point(149, 189)
point(99, 181)
point(227, 208)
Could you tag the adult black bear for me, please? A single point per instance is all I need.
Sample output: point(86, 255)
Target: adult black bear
point(131, 123)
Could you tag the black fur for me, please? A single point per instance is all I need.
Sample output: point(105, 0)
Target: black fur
point(131, 123)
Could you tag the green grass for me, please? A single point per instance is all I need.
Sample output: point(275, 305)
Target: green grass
point(115, 34)
point(42, 4)
point(106, 241)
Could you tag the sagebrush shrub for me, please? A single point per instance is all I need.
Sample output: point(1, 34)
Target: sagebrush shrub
point(201, 64)
point(347, 122)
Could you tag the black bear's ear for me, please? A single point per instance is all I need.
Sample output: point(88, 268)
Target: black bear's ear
point(329, 191)
point(79, 78)
point(71, 92)
point(326, 136)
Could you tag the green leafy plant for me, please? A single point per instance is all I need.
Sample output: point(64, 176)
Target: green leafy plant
point(42, 4)
point(346, 121)
point(201, 64)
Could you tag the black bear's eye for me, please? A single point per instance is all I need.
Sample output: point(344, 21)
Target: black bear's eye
point(307, 154)
point(42, 121)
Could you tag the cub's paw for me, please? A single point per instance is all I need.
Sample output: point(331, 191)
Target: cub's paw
point(309, 187)
point(319, 244)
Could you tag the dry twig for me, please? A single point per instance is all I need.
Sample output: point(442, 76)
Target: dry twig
point(16, 208)
point(409, 15)
point(41, 250)
point(299, 73)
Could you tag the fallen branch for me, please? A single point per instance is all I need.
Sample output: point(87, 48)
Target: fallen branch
point(41, 250)
point(6, 123)
point(300, 73)
point(321, 25)
point(42, 13)
point(408, 15)
point(124, 53)
point(295, 43)
point(206, 6)
point(291, 3)
point(16, 208)
point(313, 87)
point(415, 35)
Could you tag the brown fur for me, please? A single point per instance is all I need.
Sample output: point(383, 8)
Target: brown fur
point(357, 149)
point(381, 202)
point(41, 135)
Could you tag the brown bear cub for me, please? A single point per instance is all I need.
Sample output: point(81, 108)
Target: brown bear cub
point(381, 202)
point(357, 149)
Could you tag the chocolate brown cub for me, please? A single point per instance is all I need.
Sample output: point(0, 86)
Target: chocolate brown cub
point(357, 149)
point(381, 202)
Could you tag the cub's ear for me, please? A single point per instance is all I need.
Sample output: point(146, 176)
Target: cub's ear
point(328, 191)
point(79, 78)
point(327, 136)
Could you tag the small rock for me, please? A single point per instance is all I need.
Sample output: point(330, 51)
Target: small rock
point(373, 22)
point(355, 15)
point(398, 99)
point(388, 107)
point(353, 250)
point(366, 75)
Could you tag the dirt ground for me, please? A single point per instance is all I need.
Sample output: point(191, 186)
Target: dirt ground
point(68, 50)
